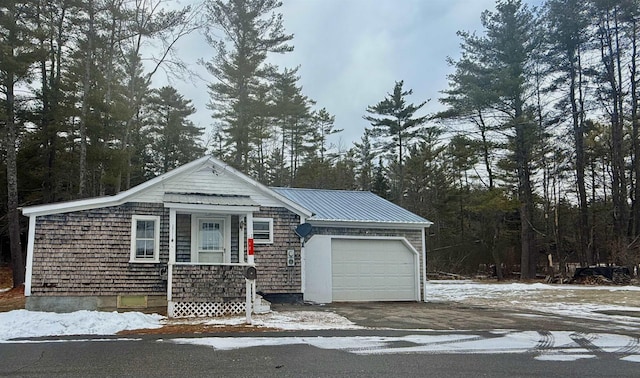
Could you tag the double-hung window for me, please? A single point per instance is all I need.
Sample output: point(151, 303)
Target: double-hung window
point(145, 238)
point(263, 230)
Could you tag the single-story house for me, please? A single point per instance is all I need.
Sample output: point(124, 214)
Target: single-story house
point(184, 241)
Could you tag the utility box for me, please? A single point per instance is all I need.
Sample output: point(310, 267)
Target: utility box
point(291, 257)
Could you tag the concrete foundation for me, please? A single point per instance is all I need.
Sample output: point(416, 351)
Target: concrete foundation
point(155, 304)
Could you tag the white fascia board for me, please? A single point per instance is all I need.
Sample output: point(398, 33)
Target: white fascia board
point(29, 263)
point(223, 209)
point(376, 225)
point(118, 199)
point(290, 205)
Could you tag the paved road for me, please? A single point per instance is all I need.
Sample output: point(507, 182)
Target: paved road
point(329, 353)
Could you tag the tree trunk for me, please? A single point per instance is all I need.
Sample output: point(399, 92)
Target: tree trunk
point(85, 104)
point(17, 257)
point(577, 113)
point(635, 134)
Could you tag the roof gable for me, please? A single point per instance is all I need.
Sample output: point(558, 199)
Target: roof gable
point(351, 206)
point(205, 176)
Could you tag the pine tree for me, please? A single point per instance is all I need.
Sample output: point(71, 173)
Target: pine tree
point(393, 120)
point(380, 184)
point(17, 55)
point(323, 123)
point(364, 155)
point(502, 59)
point(291, 112)
point(568, 35)
point(251, 30)
point(173, 138)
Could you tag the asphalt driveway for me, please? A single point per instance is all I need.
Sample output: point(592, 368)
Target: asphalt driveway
point(454, 316)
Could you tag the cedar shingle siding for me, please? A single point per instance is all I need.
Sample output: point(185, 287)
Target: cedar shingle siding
point(208, 283)
point(183, 237)
point(87, 253)
point(274, 276)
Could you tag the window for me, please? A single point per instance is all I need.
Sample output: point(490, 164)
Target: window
point(145, 238)
point(263, 230)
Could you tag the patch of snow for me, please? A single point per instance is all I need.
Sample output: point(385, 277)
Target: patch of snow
point(563, 357)
point(577, 301)
point(632, 358)
point(552, 346)
point(23, 323)
point(70, 340)
point(26, 324)
point(304, 320)
point(2, 290)
point(285, 320)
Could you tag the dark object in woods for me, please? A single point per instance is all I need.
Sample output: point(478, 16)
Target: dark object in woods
point(615, 274)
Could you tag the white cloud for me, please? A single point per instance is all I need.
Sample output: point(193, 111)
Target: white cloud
point(352, 51)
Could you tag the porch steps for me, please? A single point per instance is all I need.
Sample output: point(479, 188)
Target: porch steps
point(261, 305)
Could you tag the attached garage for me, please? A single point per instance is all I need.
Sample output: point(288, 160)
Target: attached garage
point(373, 270)
point(359, 247)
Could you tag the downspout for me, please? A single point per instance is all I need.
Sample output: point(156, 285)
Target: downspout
point(303, 279)
point(424, 262)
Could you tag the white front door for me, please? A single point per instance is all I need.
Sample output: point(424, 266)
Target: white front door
point(210, 240)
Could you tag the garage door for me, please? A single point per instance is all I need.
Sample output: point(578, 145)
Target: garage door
point(373, 270)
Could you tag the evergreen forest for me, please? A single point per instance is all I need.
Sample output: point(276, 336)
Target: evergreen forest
point(532, 157)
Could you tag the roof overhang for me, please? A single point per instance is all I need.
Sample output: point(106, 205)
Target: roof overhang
point(222, 209)
point(218, 203)
point(364, 224)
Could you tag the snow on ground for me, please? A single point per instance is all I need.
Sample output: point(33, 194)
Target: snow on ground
point(547, 346)
point(577, 301)
point(23, 323)
point(285, 320)
point(587, 302)
point(5, 289)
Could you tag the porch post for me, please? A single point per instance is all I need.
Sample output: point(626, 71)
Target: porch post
point(251, 285)
point(248, 308)
point(249, 226)
point(172, 251)
point(241, 238)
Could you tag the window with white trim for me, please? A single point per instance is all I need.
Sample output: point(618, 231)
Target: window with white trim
point(263, 230)
point(145, 238)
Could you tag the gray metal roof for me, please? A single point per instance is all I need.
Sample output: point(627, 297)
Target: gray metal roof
point(350, 206)
point(209, 199)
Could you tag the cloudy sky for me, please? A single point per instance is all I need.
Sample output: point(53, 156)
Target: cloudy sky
point(351, 52)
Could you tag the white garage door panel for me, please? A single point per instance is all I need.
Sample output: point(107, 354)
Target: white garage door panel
point(372, 270)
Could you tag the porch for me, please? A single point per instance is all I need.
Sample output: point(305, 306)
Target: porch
point(210, 248)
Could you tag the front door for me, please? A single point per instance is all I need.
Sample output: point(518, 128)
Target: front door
point(210, 240)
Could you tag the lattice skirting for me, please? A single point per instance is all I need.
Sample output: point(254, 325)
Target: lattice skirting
point(204, 309)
